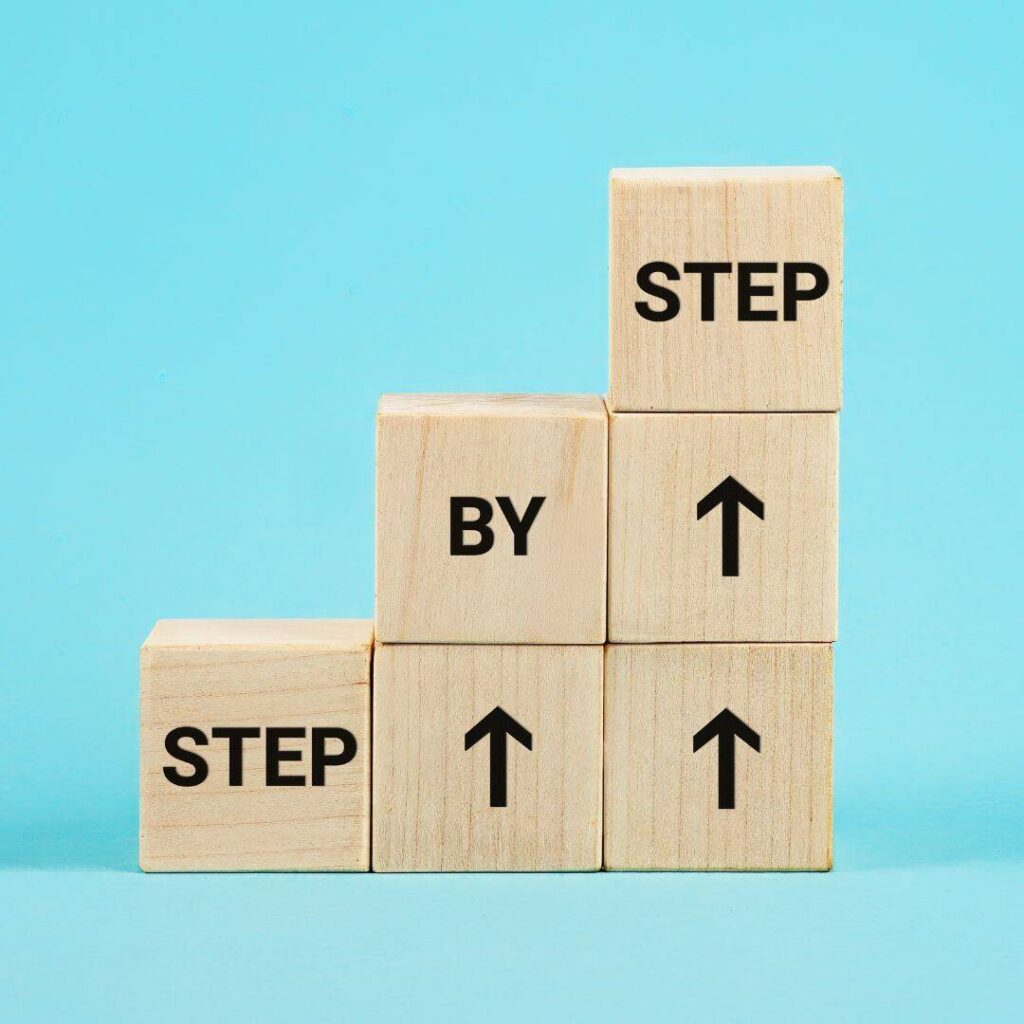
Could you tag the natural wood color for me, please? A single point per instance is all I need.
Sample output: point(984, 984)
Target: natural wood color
point(661, 797)
point(433, 447)
point(348, 635)
point(732, 215)
point(431, 796)
point(255, 673)
point(719, 175)
point(665, 581)
point(491, 405)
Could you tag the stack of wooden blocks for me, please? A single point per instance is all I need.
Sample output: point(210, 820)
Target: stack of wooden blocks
point(603, 632)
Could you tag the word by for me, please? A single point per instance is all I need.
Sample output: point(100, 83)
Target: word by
point(520, 527)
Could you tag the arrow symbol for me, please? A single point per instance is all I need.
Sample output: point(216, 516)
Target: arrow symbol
point(730, 494)
point(499, 725)
point(726, 726)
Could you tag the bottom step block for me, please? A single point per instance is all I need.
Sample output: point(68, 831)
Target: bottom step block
point(718, 757)
point(487, 758)
point(255, 746)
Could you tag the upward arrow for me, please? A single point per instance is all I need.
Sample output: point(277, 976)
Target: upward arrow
point(726, 726)
point(730, 494)
point(499, 725)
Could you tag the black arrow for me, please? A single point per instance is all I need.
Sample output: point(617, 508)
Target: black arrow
point(499, 725)
point(726, 726)
point(730, 494)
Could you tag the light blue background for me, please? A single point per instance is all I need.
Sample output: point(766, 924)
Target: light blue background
point(227, 227)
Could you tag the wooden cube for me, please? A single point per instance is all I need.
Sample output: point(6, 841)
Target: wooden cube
point(726, 289)
point(491, 519)
point(722, 527)
point(487, 758)
point(255, 746)
point(718, 757)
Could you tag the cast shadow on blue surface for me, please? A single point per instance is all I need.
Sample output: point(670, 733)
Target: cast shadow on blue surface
point(86, 844)
point(870, 836)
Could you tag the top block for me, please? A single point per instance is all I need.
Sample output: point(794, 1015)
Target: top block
point(726, 289)
point(492, 519)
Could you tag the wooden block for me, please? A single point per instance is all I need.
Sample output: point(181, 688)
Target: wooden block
point(726, 289)
point(487, 758)
point(718, 757)
point(270, 800)
point(722, 527)
point(447, 462)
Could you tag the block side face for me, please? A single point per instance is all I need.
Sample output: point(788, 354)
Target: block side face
point(432, 795)
point(695, 362)
point(342, 634)
point(216, 826)
point(554, 593)
point(480, 405)
point(662, 802)
point(667, 578)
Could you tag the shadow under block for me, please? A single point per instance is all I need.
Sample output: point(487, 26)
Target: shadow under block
point(722, 527)
point(310, 677)
point(453, 472)
point(758, 714)
point(461, 786)
point(768, 340)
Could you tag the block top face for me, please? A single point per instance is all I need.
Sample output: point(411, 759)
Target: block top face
point(726, 289)
point(590, 406)
point(351, 635)
point(718, 175)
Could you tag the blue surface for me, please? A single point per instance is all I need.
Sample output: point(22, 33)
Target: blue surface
point(227, 228)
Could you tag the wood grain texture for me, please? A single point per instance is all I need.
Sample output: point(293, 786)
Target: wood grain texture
point(661, 797)
point(431, 448)
point(431, 796)
point(665, 581)
point(730, 215)
point(299, 673)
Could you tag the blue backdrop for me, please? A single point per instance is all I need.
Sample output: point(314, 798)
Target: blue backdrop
point(226, 228)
